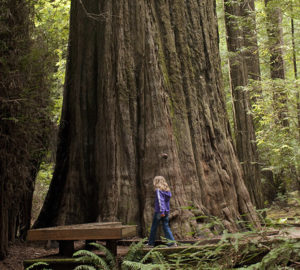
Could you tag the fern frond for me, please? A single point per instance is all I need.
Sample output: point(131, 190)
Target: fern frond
point(36, 264)
point(108, 255)
point(84, 252)
point(158, 258)
point(150, 253)
point(141, 266)
point(90, 257)
point(85, 267)
point(134, 250)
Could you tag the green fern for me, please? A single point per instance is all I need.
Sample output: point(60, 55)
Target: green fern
point(108, 255)
point(133, 259)
point(134, 252)
point(142, 266)
point(85, 267)
point(89, 257)
point(156, 257)
point(159, 259)
point(37, 264)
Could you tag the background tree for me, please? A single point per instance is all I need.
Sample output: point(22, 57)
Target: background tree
point(251, 49)
point(295, 63)
point(24, 116)
point(243, 122)
point(143, 78)
point(277, 67)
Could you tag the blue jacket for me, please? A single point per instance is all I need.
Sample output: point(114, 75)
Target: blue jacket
point(162, 201)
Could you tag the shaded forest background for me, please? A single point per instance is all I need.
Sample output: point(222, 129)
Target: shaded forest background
point(33, 53)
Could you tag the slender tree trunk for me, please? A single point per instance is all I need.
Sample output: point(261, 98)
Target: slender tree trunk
point(143, 78)
point(250, 39)
point(297, 95)
point(243, 121)
point(277, 67)
point(295, 71)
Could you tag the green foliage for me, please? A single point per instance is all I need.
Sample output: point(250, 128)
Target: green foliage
point(85, 267)
point(51, 20)
point(142, 266)
point(38, 264)
point(152, 260)
point(52, 25)
point(241, 250)
point(279, 257)
point(135, 251)
point(43, 180)
point(94, 261)
point(278, 146)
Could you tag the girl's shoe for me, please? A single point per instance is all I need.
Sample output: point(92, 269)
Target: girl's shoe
point(173, 245)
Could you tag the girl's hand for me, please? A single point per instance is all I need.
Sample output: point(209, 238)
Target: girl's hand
point(162, 215)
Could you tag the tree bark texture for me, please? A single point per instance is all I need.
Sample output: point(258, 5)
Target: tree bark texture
point(24, 100)
point(250, 39)
point(277, 66)
point(297, 94)
point(243, 120)
point(143, 78)
point(295, 72)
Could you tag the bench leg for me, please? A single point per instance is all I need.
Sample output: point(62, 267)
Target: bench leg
point(111, 245)
point(66, 248)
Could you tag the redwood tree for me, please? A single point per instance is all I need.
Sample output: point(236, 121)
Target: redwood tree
point(143, 79)
point(24, 119)
point(247, 11)
point(277, 66)
point(240, 70)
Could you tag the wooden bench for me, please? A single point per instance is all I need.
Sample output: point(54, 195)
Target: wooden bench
point(110, 232)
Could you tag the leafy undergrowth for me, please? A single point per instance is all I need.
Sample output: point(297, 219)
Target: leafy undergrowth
point(251, 250)
point(285, 210)
point(234, 251)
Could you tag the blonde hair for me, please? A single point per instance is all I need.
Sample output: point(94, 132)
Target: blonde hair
point(159, 182)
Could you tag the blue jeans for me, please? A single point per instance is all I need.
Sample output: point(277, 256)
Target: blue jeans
point(165, 222)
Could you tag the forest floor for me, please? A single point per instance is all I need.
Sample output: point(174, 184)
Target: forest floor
point(281, 213)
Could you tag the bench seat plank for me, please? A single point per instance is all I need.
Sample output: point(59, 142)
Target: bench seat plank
point(66, 235)
point(82, 233)
point(84, 225)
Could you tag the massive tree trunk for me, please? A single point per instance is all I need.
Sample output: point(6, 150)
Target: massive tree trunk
point(143, 78)
point(24, 101)
point(243, 121)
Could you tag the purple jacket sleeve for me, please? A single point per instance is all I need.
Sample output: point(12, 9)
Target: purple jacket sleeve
point(161, 202)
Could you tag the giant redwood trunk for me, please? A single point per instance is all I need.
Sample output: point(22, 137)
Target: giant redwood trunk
point(243, 120)
point(143, 78)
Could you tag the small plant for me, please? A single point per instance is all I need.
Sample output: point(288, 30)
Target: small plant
point(94, 262)
point(38, 264)
point(152, 260)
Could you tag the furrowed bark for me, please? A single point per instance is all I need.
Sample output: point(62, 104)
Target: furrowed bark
point(143, 78)
point(243, 121)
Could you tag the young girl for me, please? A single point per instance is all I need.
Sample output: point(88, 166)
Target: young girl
point(161, 210)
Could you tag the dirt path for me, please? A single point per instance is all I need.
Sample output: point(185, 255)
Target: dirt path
point(20, 251)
